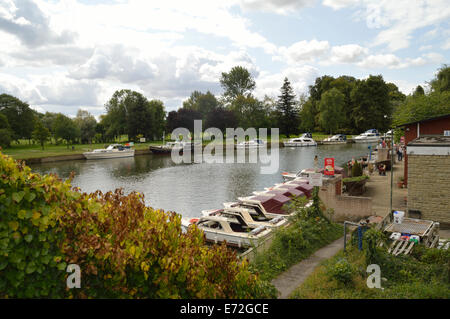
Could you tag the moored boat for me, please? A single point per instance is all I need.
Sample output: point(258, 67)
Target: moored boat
point(300, 141)
point(369, 136)
point(112, 151)
point(335, 139)
point(234, 231)
point(252, 144)
point(252, 217)
point(167, 148)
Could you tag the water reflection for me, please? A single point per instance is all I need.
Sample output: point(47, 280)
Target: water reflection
point(189, 188)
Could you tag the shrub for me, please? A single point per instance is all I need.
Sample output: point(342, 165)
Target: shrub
point(341, 271)
point(124, 248)
point(5, 137)
point(357, 169)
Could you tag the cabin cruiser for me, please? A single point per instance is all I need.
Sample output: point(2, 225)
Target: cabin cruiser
point(179, 146)
point(112, 151)
point(300, 141)
point(235, 231)
point(369, 136)
point(253, 218)
point(258, 207)
point(252, 144)
point(335, 139)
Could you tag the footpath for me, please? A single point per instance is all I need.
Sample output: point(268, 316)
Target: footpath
point(292, 278)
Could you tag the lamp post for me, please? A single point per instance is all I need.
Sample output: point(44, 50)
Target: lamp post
point(392, 165)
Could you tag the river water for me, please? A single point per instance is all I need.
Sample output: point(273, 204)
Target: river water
point(189, 188)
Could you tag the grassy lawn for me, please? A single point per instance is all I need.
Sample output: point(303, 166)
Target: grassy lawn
point(25, 150)
point(423, 275)
point(307, 233)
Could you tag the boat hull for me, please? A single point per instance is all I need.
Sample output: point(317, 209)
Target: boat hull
point(107, 155)
point(298, 144)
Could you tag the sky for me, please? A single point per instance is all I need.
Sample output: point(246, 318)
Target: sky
point(63, 55)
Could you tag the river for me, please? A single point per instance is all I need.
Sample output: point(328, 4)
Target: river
point(189, 188)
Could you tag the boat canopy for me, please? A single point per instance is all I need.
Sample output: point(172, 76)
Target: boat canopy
point(273, 204)
point(302, 186)
point(287, 192)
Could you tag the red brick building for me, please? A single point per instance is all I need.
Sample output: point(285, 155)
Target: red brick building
point(432, 126)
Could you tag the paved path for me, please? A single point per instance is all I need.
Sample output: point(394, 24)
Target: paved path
point(292, 278)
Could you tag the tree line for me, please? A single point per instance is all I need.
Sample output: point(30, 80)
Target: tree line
point(333, 105)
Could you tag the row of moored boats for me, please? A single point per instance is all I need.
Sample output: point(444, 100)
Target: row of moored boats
point(119, 150)
point(250, 220)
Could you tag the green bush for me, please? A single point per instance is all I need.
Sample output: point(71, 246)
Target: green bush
point(357, 169)
point(5, 137)
point(341, 271)
point(290, 245)
point(124, 248)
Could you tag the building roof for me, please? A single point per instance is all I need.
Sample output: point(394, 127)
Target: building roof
point(425, 120)
point(430, 140)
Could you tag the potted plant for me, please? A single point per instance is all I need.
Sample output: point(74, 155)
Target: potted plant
point(355, 185)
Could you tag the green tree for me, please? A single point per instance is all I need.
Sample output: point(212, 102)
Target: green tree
point(308, 115)
point(86, 123)
point(203, 103)
point(331, 106)
point(237, 82)
point(248, 111)
point(419, 91)
point(66, 129)
point(5, 131)
point(20, 116)
point(158, 119)
point(41, 134)
point(288, 110)
point(373, 108)
point(441, 82)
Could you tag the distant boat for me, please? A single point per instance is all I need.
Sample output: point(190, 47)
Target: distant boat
point(112, 151)
point(335, 139)
point(252, 144)
point(179, 146)
point(369, 136)
point(300, 141)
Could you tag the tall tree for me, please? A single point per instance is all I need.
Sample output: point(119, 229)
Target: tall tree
point(221, 118)
point(41, 133)
point(288, 111)
point(441, 82)
point(237, 82)
point(66, 129)
point(20, 116)
point(86, 123)
point(373, 108)
point(332, 115)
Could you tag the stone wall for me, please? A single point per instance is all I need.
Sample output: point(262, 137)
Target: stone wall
point(429, 186)
point(350, 208)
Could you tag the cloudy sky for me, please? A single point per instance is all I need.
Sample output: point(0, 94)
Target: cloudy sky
point(62, 55)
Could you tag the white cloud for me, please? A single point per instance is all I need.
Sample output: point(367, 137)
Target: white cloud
point(392, 61)
point(349, 53)
point(277, 6)
point(303, 51)
point(300, 77)
point(339, 4)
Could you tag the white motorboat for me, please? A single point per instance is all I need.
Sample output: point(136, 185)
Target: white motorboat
point(252, 144)
point(253, 218)
point(112, 151)
point(335, 139)
point(370, 136)
point(304, 173)
point(300, 141)
point(234, 231)
point(255, 207)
